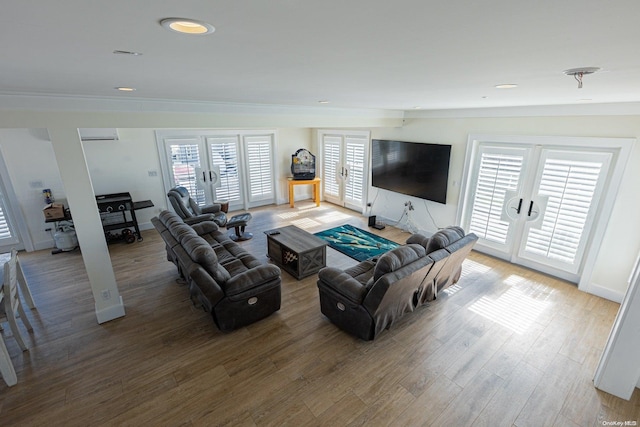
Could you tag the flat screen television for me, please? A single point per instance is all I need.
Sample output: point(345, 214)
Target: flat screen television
point(411, 168)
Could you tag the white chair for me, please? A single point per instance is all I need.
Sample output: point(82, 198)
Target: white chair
point(7, 370)
point(11, 304)
point(22, 281)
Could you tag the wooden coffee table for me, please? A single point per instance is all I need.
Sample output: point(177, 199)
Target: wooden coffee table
point(296, 251)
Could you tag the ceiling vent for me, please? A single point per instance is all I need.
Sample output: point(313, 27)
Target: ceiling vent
point(99, 134)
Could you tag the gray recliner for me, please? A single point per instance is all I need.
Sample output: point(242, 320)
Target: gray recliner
point(191, 212)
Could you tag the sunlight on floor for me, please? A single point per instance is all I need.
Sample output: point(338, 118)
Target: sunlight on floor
point(288, 215)
point(305, 223)
point(320, 208)
point(469, 266)
point(333, 217)
point(452, 289)
point(514, 309)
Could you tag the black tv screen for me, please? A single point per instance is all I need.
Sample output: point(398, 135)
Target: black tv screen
point(411, 168)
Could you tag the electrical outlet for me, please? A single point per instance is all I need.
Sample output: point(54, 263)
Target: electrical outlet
point(106, 294)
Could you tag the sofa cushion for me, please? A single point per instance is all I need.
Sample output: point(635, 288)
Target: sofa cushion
point(397, 258)
point(444, 238)
point(205, 227)
point(203, 254)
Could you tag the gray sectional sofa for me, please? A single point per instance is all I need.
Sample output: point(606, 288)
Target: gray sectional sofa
point(222, 277)
point(369, 297)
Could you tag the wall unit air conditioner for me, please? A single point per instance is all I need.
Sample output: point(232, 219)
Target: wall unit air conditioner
point(99, 134)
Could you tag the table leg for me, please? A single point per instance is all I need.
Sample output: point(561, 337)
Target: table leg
point(290, 194)
point(316, 190)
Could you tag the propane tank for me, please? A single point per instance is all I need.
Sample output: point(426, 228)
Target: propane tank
point(65, 238)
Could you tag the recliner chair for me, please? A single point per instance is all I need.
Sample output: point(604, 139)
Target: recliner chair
point(190, 212)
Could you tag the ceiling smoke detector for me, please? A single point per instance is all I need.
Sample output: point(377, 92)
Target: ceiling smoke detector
point(578, 73)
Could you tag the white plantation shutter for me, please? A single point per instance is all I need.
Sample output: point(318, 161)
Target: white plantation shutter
point(330, 165)
point(224, 154)
point(498, 172)
point(355, 151)
point(572, 185)
point(5, 230)
point(185, 159)
point(260, 165)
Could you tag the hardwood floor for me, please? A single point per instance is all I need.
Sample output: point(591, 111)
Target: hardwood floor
point(506, 346)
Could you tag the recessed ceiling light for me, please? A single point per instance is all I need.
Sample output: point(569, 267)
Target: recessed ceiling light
point(187, 26)
point(417, 108)
point(126, 89)
point(324, 101)
point(506, 86)
point(126, 52)
point(585, 100)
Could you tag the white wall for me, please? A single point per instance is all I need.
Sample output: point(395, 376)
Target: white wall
point(32, 167)
point(620, 245)
point(114, 166)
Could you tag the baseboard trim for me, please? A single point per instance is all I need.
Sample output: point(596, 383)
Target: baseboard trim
point(606, 293)
point(110, 313)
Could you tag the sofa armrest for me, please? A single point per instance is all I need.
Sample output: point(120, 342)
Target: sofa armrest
point(198, 218)
point(207, 285)
point(251, 278)
point(342, 283)
point(211, 209)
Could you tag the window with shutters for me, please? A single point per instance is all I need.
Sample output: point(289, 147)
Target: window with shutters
point(9, 234)
point(355, 152)
point(330, 165)
point(259, 154)
point(572, 184)
point(499, 171)
point(185, 161)
point(224, 155)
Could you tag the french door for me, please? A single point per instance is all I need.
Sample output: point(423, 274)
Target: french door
point(536, 205)
point(344, 167)
point(9, 234)
point(238, 168)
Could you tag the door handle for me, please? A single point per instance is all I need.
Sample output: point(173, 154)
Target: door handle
point(210, 176)
point(204, 177)
point(519, 207)
point(530, 208)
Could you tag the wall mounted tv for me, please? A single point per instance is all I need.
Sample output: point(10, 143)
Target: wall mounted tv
point(412, 168)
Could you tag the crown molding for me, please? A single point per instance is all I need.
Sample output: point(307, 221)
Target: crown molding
point(608, 109)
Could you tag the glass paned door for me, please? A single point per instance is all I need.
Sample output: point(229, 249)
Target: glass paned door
point(237, 167)
point(344, 168)
point(535, 206)
point(570, 184)
point(185, 157)
point(498, 173)
point(224, 156)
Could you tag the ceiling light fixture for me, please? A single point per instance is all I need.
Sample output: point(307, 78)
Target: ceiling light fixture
point(579, 73)
point(506, 86)
point(125, 89)
point(323, 102)
point(187, 26)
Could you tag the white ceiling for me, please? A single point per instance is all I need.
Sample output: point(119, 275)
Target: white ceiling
point(379, 54)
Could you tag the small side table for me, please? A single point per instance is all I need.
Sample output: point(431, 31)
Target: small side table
point(316, 188)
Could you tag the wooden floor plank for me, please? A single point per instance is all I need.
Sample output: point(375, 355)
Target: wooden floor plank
point(165, 363)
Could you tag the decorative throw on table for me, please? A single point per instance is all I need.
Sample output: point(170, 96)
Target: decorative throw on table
point(356, 243)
